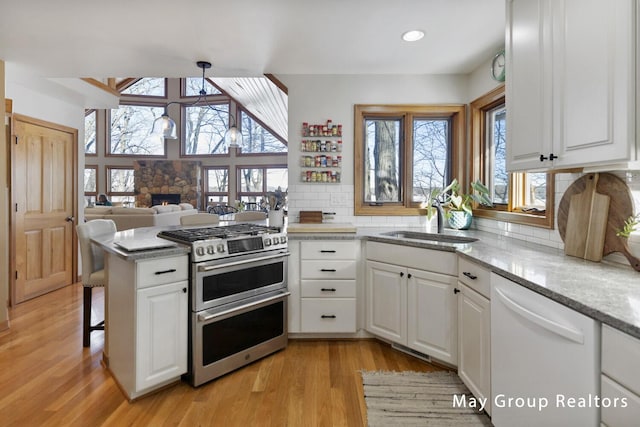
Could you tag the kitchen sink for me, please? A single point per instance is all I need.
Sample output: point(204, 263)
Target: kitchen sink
point(433, 237)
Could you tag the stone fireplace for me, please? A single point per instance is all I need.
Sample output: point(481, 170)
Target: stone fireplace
point(170, 177)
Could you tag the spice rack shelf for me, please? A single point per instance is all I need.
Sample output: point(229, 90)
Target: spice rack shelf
point(321, 159)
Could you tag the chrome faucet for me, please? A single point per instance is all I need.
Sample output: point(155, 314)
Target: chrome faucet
point(440, 214)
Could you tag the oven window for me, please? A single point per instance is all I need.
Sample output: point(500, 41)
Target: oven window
point(237, 281)
point(237, 333)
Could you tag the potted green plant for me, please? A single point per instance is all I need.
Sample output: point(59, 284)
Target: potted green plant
point(458, 205)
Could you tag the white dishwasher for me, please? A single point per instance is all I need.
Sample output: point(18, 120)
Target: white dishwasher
point(544, 360)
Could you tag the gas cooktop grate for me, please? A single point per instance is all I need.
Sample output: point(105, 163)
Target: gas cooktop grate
point(224, 232)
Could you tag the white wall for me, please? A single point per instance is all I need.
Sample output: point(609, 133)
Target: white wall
point(316, 98)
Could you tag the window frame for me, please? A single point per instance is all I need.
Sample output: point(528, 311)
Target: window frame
point(456, 113)
point(205, 181)
point(239, 193)
point(479, 108)
point(88, 112)
point(92, 193)
point(108, 152)
point(108, 191)
point(219, 100)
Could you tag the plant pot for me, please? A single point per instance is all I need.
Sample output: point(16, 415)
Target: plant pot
point(459, 220)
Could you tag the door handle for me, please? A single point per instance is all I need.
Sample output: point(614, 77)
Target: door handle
point(69, 219)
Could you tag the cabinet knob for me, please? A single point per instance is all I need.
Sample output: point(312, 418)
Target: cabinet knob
point(456, 290)
point(552, 157)
point(184, 290)
point(401, 274)
point(409, 276)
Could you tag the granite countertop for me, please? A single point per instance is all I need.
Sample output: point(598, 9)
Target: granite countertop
point(606, 291)
point(143, 233)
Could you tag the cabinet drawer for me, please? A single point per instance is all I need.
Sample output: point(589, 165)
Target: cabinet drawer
point(328, 289)
point(329, 269)
point(624, 407)
point(328, 315)
point(474, 276)
point(621, 358)
point(332, 249)
point(162, 270)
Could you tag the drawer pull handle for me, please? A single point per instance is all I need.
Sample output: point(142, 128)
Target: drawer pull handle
point(328, 316)
point(332, 270)
point(172, 270)
point(328, 289)
point(469, 275)
point(327, 251)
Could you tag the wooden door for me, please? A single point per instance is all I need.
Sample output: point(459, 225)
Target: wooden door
point(44, 164)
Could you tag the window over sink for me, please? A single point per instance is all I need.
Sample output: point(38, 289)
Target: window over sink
point(524, 198)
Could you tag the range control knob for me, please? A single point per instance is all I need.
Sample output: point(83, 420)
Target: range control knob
point(267, 241)
point(276, 240)
point(211, 250)
point(200, 251)
point(220, 247)
point(283, 239)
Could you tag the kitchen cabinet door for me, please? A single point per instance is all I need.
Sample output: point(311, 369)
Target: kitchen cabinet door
point(432, 315)
point(528, 84)
point(593, 81)
point(570, 86)
point(386, 289)
point(474, 343)
point(162, 316)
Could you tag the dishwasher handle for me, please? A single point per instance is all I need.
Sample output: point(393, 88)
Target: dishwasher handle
point(554, 327)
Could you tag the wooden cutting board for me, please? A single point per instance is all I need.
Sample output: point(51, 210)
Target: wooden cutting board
point(620, 208)
point(587, 222)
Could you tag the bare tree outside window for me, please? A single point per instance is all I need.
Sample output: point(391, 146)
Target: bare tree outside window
point(256, 139)
point(148, 86)
point(205, 128)
point(90, 185)
point(499, 182)
point(430, 156)
point(382, 161)
point(130, 126)
point(90, 133)
point(193, 86)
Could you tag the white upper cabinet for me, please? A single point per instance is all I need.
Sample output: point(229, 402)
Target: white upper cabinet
point(571, 83)
point(528, 83)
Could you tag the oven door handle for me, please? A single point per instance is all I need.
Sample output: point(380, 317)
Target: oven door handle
point(207, 317)
point(203, 268)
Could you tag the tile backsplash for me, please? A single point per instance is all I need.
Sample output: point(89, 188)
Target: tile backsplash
point(338, 199)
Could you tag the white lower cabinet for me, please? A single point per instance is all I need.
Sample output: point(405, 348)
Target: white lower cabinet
point(162, 315)
point(474, 329)
point(620, 379)
point(410, 306)
point(147, 322)
point(328, 277)
point(474, 343)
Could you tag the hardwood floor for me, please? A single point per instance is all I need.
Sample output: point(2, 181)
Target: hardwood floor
point(48, 379)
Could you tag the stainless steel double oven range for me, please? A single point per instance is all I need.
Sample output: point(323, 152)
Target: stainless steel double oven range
point(238, 296)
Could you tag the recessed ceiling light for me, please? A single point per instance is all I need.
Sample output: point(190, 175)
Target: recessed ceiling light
point(413, 35)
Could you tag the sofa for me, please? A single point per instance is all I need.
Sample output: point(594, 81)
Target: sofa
point(126, 218)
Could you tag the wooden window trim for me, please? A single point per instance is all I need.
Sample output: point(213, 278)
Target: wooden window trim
point(455, 112)
point(478, 110)
point(95, 168)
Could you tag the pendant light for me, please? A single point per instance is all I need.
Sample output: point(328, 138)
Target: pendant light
point(165, 127)
point(233, 136)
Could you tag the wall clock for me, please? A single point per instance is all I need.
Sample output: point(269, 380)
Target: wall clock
point(498, 67)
